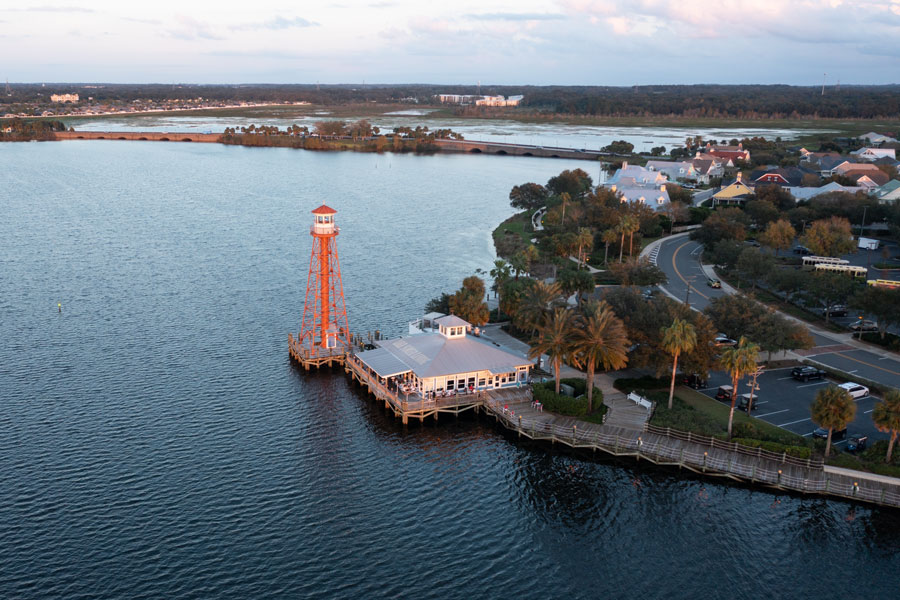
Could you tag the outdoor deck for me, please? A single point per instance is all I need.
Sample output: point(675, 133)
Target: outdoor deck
point(314, 357)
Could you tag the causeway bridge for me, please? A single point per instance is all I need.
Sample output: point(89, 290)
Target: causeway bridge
point(154, 136)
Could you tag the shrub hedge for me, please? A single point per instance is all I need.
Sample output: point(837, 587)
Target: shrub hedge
point(545, 393)
point(629, 384)
point(795, 451)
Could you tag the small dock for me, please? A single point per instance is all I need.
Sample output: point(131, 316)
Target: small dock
point(315, 357)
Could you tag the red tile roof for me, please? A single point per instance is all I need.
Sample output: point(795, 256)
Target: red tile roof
point(324, 210)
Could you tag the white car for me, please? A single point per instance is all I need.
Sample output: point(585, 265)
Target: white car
point(856, 390)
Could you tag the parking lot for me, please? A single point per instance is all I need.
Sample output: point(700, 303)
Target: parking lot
point(785, 402)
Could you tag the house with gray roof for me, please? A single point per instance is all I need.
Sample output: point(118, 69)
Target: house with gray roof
point(675, 171)
point(655, 198)
point(889, 192)
point(444, 359)
point(636, 176)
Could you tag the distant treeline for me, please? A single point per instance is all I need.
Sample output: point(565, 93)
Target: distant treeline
point(720, 101)
point(694, 101)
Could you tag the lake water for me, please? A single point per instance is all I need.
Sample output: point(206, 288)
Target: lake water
point(156, 441)
point(590, 137)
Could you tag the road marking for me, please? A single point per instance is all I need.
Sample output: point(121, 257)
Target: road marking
point(680, 276)
point(885, 358)
point(868, 411)
point(862, 362)
point(772, 413)
point(783, 378)
point(795, 422)
point(853, 371)
point(697, 250)
point(812, 384)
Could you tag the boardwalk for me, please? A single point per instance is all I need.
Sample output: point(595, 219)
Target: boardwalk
point(618, 437)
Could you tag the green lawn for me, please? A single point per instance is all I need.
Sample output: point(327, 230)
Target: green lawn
point(692, 411)
point(513, 234)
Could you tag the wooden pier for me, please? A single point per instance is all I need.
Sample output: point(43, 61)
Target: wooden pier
point(315, 357)
point(410, 405)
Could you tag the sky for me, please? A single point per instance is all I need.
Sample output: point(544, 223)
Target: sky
point(522, 42)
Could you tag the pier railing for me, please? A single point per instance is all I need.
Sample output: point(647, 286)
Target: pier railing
point(686, 450)
point(816, 462)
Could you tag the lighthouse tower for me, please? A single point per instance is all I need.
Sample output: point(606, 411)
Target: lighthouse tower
point(324, 331)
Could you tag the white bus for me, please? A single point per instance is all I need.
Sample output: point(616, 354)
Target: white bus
point(855, 272)
point(811, 261)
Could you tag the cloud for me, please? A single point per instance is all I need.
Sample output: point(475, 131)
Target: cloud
point(52, 9)
point(142, 21)
point(277, 24)
point(187, 28)
point(515, 16)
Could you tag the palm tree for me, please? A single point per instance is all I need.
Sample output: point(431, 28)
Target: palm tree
point(585, 240)
point(565, 198)
point(738, 360)
point(627, 224)
point(832, 409)
point(500, 273)
point(678, 337)
point(554, 339)
point(608, 237)
point(536, 304)
point(633, 225)
point(886, 415)
point(600, 340)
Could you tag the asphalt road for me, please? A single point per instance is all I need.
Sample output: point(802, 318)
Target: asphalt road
point(785, 402)
point(679, 258)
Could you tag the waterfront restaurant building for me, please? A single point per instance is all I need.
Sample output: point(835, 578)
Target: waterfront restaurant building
point(443, 360)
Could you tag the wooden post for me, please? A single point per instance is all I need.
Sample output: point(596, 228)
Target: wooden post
point(520, 425)
point(705, 454)
point(405, 418)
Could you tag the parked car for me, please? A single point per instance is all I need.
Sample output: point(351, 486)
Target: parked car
point(714, 283)
point(752, 242)
point(744, 401)
point(805, 373)
point(864, 325)
point(723, 340)
point(648, 294)
point(856, 390)
point(837, 434)
point(802, 250)
point(724, 392)
point(838, 310)
point(694, 380)
point(857, 443)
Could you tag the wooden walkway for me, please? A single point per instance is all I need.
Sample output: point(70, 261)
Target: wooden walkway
point(626, 432)
point(697, 453)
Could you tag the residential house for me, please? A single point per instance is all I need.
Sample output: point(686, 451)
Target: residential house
point(878, 138)
point(735, 193)
point(636, 176)
point(655, 198)
point(735, 153)
point(783, 176)
point(863, 174)
point(675, 171)
point(807, 193)
point(873, 154)
point(889, 192)
point(706, 170)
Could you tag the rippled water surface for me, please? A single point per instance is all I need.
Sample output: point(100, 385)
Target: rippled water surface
point(156, 442)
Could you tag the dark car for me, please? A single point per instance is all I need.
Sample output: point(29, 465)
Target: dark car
point(803, 250)
point(838, 434)
point(694, 380)
point(838, 310)
point(857, 443)
point(806, 373)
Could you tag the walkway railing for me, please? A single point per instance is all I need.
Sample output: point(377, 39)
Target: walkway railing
point(779, 457)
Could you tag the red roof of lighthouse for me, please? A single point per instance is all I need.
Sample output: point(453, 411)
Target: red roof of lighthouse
point(324, 210)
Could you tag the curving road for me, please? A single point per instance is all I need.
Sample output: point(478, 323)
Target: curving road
point(679, 258)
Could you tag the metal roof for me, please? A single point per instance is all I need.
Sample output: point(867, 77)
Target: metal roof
point(433, 355)
point(383, 362)
point(452, 321)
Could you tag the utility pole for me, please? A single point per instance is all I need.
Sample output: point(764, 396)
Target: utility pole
point(823, 83)
point(862, 225)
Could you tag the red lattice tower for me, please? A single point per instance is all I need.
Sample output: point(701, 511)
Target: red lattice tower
point(324, 331)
